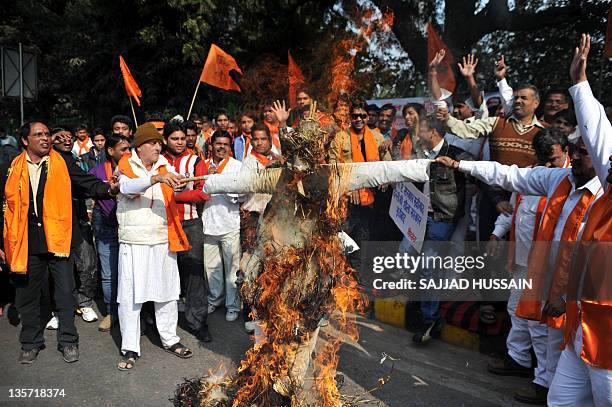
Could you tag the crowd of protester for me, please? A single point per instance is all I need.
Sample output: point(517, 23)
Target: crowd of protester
point(156, 246)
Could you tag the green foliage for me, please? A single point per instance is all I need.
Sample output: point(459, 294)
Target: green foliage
point(165, 44)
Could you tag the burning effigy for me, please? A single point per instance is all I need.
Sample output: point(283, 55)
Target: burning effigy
point(298, 273)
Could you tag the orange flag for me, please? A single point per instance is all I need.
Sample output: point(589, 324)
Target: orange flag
point(608, 48)
point(217, 68)
point(295, 77)
point(131, 87)
point(446, 77)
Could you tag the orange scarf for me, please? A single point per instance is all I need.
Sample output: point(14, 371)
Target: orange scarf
point(177, 239)
point(366, 195)
point(83, 146)
point(274, 134)
point(538, 256)
point(261, 158)
point(56, 210)
point(220, 167)
point(595, 304)
point(406, 147)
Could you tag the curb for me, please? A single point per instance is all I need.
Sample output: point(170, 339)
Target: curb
point(394, 311)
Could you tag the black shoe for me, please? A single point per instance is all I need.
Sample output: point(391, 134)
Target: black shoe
point(507, 366)
point(71, 353)
point(532, 394)
point(427, 331)
point(27, 357)
point(203, 335)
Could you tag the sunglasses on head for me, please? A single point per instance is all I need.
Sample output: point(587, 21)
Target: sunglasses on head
point(356, 116)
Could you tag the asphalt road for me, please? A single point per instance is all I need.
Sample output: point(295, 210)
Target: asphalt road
point(437, 374)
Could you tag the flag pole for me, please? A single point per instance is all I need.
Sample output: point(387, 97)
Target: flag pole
point(193, 100)
point(133, 112)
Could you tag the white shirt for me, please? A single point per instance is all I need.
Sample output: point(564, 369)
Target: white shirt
point(537, 181)
point(524, 225)
point(221, 213)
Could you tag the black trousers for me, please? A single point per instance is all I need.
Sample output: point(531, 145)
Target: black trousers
point(86, 264)
point(191, 265)
point(28, 290)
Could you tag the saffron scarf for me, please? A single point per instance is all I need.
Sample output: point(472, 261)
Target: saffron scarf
point(366, 195)
point(595, 301)
point(177, 240)
point(56, 210)
point(83, 147)
point(261, 158)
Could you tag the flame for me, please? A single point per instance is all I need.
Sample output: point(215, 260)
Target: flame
point(344, 52)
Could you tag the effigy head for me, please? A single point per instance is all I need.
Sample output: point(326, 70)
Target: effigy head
point(306, 146)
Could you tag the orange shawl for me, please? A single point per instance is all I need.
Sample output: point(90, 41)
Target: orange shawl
point(261, 158)
point(595, 301)
point(177, 240)
point(366, 195)
point(56, 210)
point(538, 256)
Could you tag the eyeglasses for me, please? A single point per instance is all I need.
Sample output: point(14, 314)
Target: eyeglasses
point(41, 134)
point(356, 116)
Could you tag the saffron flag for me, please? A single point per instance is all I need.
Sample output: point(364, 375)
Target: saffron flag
point(295, 77)
point(608, 48)
point(131, 87)
point(217, 68)
point(446, 77)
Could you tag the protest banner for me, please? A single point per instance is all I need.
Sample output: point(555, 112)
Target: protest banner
point(409, 212)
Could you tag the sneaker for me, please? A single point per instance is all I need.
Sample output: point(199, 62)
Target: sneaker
point(231, 316)
point(53, 323)
point(506, 366)
point(532, 394)
point(211, 308)
point(427, 331)
point(70, 353)
point(250, 326)
point(88, 314)
point(27, 357)
point(106, 324)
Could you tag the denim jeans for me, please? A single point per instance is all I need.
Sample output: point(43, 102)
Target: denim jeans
point(435, 233)
point(107, 244)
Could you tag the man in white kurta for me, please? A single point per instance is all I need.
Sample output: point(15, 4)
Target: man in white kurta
point(221, 222)
point(544, 181)
point(148, 270)
point(551, 150)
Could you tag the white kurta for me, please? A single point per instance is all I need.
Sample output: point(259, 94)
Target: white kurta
point(147, 273)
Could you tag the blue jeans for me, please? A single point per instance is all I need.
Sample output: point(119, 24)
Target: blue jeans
point(435, 233)
point(107, 245)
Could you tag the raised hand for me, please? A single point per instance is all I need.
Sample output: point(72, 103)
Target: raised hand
point(437, 59)
point(579, 61)
point(468, 68)
point(442, 114)
point(280, 110)
point(500, 69)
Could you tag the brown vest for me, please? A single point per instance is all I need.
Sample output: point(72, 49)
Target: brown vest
point(508, 146)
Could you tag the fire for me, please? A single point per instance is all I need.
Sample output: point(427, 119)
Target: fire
point(345, 51)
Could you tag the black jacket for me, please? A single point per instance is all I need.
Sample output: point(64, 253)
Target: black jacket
point(83, 184)
point(447, 186)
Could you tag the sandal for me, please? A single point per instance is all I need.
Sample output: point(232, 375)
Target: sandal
point(184, 353)
point(128, 360)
